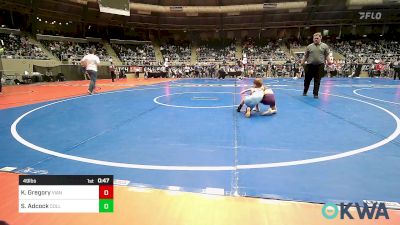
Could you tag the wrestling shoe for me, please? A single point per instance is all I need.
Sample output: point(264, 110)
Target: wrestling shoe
point(248, 112)
point(269, 112)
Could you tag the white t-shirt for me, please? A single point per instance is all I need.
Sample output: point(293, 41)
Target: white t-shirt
point(91, 62)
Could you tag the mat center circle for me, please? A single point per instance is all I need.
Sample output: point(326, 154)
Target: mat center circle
point(196, 100)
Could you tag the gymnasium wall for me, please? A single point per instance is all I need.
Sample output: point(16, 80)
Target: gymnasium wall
point(71, 72)
point(13, 66)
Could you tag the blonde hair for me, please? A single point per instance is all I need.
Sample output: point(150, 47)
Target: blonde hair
point(258, 82)
point(318, 34)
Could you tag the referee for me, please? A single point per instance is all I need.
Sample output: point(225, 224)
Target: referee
point(316, 54)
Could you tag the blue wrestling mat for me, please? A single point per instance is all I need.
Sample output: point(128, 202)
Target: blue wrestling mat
point(187, 135)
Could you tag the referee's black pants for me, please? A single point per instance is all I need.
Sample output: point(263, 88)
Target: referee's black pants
point(396, 73)
point(113, 76)
point(1, 75)
point(315, 72)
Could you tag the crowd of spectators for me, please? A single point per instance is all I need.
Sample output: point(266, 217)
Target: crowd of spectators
point(217, 51)
point(372, 56)
point(261, 51)
point(193, 71)
point(140, 55)
point(73, 52)
point(367, 51)
point(176, 53)
point(260, 57)
point(295, 44)
point(18, 47)
point(212, 70)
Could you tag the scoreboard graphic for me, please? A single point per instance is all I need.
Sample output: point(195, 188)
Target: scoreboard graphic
point(66, 194)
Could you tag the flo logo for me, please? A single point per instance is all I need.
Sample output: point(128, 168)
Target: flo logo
point(375, 211)
point(370, 15)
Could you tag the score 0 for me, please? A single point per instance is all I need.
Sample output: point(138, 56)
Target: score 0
point(106, 195)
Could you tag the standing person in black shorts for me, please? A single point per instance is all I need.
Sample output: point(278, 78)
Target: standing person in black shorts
point(111, 68)
point(315, 56)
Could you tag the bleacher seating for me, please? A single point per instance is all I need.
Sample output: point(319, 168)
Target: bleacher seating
point(141, 54)
point(18, 47)
point(73, 52)
point(261, 51)
point(176, 53)
point(216, 51)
